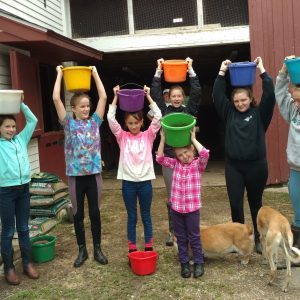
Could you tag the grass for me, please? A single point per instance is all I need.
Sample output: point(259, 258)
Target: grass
point(225, 278)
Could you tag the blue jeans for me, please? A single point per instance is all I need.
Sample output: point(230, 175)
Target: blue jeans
point(142, 191)
point(294, 192)
point(14, 209)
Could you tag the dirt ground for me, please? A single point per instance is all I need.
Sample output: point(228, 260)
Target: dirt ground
point(224, 278)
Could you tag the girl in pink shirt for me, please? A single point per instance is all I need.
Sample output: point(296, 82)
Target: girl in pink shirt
point(186, 200)
point(136, 165)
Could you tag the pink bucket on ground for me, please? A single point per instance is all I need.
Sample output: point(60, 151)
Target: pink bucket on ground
point(143, 262)
point(131, 100)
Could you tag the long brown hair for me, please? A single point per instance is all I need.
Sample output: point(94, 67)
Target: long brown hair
point(248, 92)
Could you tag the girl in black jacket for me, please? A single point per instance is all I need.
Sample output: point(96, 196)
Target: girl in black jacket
point(176, 98)
point(245, 148)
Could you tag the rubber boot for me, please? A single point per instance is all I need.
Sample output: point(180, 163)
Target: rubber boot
point(9, 269)
point(30, 271)
point(296, 236)
point(82, 256)
point(258, 246)
point(99, 256)
point(185, 270)
point(28, 268)
point(169, 239)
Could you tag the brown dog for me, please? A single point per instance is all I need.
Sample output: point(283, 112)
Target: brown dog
point(275, 231)
point(221, 239)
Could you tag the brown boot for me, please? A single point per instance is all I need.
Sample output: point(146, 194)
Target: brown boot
point(31, 272)
point(296, 236)
point(11, 277)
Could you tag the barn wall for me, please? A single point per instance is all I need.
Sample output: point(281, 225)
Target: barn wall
point(274, 34)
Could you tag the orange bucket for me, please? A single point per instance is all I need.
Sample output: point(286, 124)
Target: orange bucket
point(175, 70)
point(77, 79)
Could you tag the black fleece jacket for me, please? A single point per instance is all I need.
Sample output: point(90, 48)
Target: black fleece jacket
point(245, 131)
point(191, 108)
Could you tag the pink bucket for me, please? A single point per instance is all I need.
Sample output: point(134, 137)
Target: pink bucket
point(131, 100)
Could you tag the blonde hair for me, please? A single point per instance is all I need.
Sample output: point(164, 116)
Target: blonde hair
point(76, 98)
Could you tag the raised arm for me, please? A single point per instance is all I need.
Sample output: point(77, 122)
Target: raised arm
point(196, 143)
point(161, 146)
point(116, 89)
point(101, 93)
point(267, 102)
point(31, 121)
point(59, 106)
point(221, 102)
point(156, 92)
point(283, 96)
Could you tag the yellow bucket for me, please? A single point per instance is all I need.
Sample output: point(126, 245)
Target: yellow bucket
point(77, 79)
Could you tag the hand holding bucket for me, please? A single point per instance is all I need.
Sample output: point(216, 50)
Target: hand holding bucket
point(77, 79)
point(131, 100)
point(293, 68)
point(175, 70)
point(177, 129)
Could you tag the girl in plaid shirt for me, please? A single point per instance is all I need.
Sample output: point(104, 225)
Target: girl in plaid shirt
point(186, 200)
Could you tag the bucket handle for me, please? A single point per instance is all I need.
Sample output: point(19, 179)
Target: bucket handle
point(130, 83)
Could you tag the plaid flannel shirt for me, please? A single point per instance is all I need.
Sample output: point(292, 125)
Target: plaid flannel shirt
point(186, 181)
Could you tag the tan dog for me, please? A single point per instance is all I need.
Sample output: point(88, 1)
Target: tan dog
point(221, 239)
point(275, 231)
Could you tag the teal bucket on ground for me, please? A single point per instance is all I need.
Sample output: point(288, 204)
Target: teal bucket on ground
point(242, 73)
point(177, 127)
point(43, 248)
point(293, 66)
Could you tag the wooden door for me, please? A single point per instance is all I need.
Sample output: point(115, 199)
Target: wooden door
point(25, 76)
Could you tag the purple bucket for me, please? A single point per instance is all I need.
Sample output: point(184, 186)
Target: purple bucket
point(131, 99)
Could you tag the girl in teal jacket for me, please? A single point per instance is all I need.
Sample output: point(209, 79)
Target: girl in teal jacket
point(14, 192)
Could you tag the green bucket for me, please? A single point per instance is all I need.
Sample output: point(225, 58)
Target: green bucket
point(43, 248)
point(177, 127)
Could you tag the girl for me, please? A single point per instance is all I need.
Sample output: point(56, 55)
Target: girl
point(246, 124)
point(186, 200)
point(136, 166)
point(176, 98)
point(83, 161)
point(289, 106)
point(14, 192)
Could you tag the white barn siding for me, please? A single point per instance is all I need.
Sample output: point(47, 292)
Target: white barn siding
point(5, 79)
point(33, 154)
point(51, 17)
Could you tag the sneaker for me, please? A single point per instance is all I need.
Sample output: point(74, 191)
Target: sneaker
point(169, 240)
point(198, 270)
point(185, 270)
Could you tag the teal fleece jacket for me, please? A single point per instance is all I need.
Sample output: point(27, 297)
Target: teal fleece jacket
point(14, 161)
point(291, 114)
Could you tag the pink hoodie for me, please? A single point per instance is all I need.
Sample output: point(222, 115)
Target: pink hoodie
point(136, 162)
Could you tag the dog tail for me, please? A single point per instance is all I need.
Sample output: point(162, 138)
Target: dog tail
point(292, 252)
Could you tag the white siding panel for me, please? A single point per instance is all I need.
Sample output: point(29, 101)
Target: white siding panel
point(163, 40)
point(33, 154)
point(34, 11)
point(5, 79)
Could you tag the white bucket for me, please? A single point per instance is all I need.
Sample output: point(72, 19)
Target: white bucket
point(10, 101)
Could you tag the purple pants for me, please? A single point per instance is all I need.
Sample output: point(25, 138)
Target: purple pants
point(187, 230)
